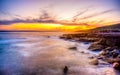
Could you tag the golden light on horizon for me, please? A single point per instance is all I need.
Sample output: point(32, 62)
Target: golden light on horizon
point(29, 26)
point(43, 27)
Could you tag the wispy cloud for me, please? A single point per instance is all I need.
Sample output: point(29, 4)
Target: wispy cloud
point(98, 14)
point(46, 17)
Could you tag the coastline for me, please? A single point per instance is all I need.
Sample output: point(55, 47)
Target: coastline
point(105, 44)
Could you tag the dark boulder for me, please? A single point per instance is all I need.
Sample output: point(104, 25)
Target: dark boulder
point(73, 48)
point(116, 65)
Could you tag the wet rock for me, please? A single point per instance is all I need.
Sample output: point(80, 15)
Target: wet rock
point(61, 37)
point(103, 52)
point(100, 57)
point(109, 48)
point(73, 48)
point(116, 60)
point(95, 47)
point(111, 42)
point(103, 57)
point(101, 62)
point(102, 41)
point(118, 56)
point(116, 65)
point(82, 52)
point(91, 57)
point(115, 53)
point(109, 60)
point(94, 61)
point(76, 39)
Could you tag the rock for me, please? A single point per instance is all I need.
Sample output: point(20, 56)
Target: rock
point(101, 62)
point(91, 57)
point(82, 52)
point(73, 48)
point(116, 65)
point(109, 48)
point(76, 39)
point(99, 45)
point(116, 60)
point(111, 42)
point(114, 55)
point(118, 56)
point(116, 51)
point(94, 61)
point(101, 57)
point(101, 41)
point(103, 52)
point(109, 60)
point(95, 47)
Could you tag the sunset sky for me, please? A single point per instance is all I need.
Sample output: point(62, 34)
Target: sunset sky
point(57, 15)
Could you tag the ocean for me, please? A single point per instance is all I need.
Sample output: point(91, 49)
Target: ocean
point(44, 53)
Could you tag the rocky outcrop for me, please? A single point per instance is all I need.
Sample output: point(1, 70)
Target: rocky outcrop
point(103, 43)
point(94, 61)
point(107, 43)
point(116, 65)
point(109, 50)
point(85, 37)
point(95, 46)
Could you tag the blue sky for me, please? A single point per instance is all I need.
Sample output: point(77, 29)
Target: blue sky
point(61, 7)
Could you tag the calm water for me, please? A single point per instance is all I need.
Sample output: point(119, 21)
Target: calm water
point(43, 53)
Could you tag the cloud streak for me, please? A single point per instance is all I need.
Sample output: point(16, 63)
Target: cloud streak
point(97, 14)
point(47, 17)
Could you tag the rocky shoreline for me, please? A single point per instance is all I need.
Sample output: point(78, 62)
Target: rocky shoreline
point(108, 46)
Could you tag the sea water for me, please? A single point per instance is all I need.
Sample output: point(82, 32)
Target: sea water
point(44, 53)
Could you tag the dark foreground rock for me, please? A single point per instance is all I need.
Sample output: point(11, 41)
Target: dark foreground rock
point(109, 50)
point(116, 65)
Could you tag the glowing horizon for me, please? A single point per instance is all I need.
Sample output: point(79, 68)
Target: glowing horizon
point(41, 27)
